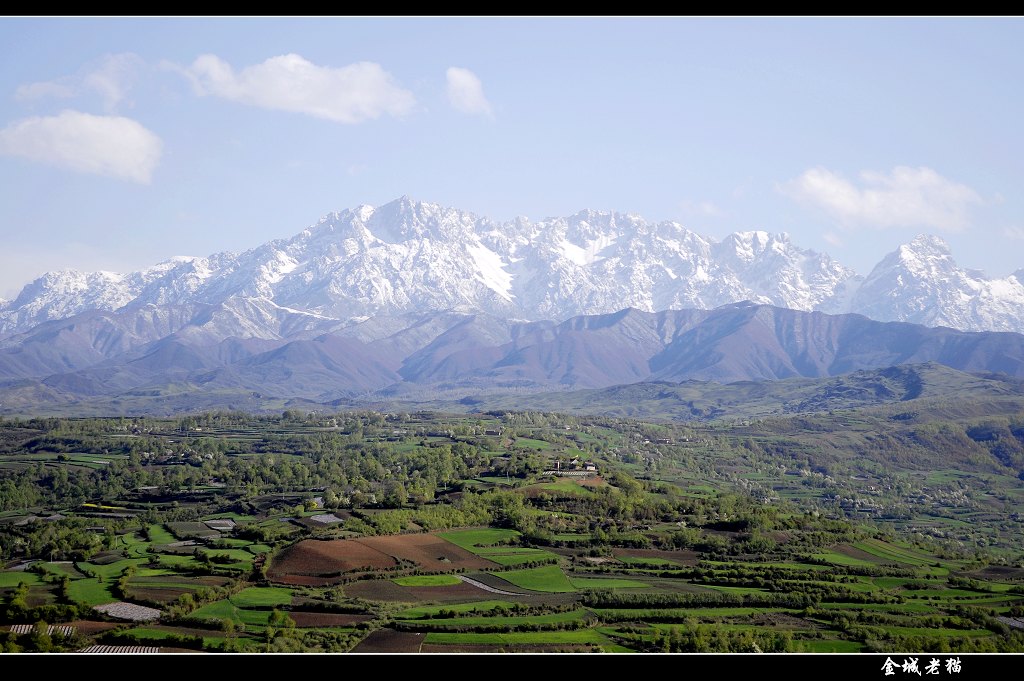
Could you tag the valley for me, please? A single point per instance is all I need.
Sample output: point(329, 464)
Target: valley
point(879, 528)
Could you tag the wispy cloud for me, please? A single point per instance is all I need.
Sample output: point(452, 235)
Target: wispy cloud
point(43, 89)
point(111, 78)
point(102, 145)
point(1014, 233)
point(904, 197)
point(700, 208)
point(832, 239)
point(347, 94)
point(466, 92)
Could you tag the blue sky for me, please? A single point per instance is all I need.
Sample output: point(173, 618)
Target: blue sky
point(125, 142)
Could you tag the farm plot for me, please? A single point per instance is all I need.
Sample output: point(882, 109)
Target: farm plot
point(316, 563)
point(485, 542)
point(427, 551)
point(129, 611)
point(164, 587)
point(91, 592)
point(390, 641)
point(226, 610)
point(12, 578)
point(428, 580)
point(91, 627)
point(191, 530)
point(475, 539)
point(607, 583)
point(171, 635)
point(63, 568)
point(304, 619)
point(655, 557)
point(549, 579)
point(262, 597)
point(890, 553)
point(326, 559)
point(466, 624)
point(584, 636)
point(159, 535)
point(387, 590)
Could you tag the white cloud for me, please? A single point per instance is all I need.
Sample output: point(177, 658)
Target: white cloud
point(466, 92)
point(103, 145)
point(1014, 233)
point(347, 94)
point(111, 78)
point(905, 197)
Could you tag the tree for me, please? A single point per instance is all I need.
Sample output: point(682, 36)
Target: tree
point(40, 638)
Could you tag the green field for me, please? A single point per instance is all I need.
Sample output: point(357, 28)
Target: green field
point(226, 610)
point(607, 583)
point(157, 635)
point(158, 534)
point(480, 606)
point(532, 443)
point(639, 615)
point(111, 571)
point(518, 558)
point(91, 592)
point(837, 558)
point(262, 597)
point(238, 556)
point(564, 486)
point(427, 580)
point(176, 561)
point(548, 578)
point(13, 579)
point(830, 646)
point(891, 552)
point(479, 537)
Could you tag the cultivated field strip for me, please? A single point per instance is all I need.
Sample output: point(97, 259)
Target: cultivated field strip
point(63, 630)
point(129, 611)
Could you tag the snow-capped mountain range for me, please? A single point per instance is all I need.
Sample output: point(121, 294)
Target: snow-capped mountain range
point(408, 256)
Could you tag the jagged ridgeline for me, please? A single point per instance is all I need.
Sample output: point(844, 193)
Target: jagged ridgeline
point(409, 256)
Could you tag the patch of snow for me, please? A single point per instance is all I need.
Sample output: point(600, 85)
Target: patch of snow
point(587, 254)
point(490, 270)
point(280, 266)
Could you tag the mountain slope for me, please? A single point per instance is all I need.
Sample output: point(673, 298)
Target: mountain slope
point(706, 400)
point(459, 355)
point(408, 256)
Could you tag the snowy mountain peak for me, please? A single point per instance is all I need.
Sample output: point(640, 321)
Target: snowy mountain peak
point(929, 242)
point(921, 282)
point(411, 256)
point(924, 247)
